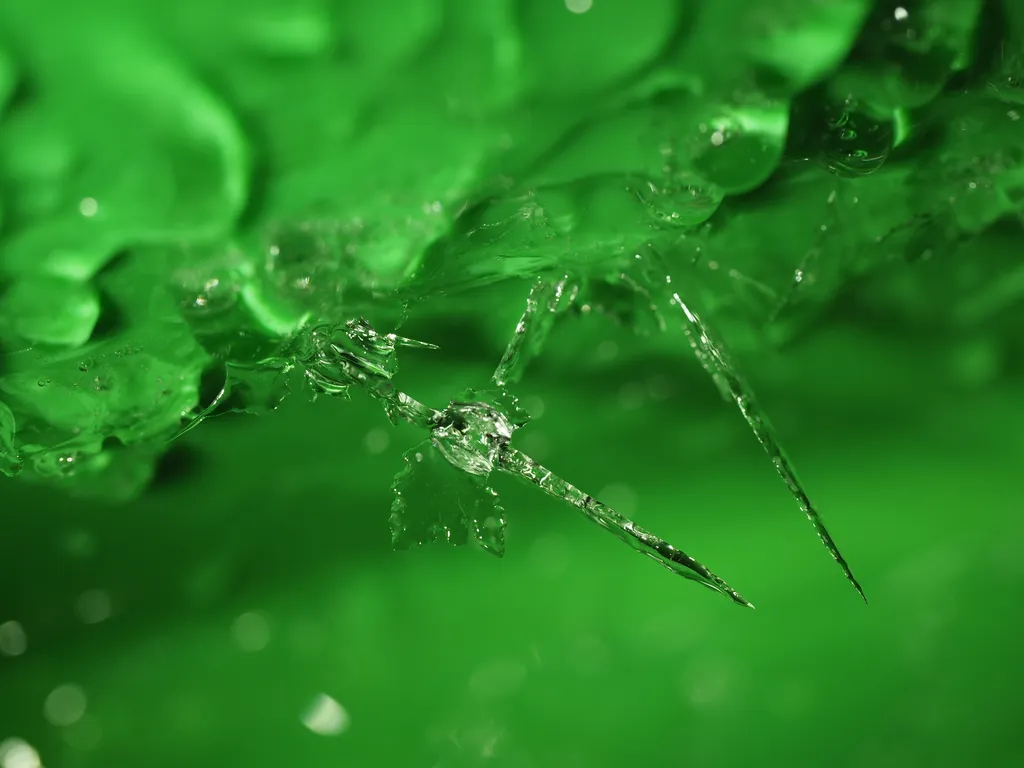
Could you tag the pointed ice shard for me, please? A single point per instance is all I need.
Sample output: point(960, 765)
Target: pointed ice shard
point(713, 358)
point(518, 464)
point(547, 297)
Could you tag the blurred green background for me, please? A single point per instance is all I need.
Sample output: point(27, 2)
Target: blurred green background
point(245, 608)
point(258, 575)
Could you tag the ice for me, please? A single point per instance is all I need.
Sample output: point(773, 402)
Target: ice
point(333, 358)
point(713, 358)
point(435, 502)
point(190, 159)
point(50, 311)
point(520, 465)
point(337, 357)
point(442, 493)
point(10, 460)
point(472, 436)
point(547, 297)
point(484, 436)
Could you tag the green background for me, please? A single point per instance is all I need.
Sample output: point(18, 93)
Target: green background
point(203, 619)
point(571, 650)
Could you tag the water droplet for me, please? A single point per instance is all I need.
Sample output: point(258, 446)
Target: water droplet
point(13, 641)
point(745, 144)
point(17, 753)
point(534, 406)
point(377, 441)
point(579, 6)
point(94, 606)
point(907, 51)
point(65, 705)
point(251, 631)
point(606, 351)
point(88, 207)
point(854, 143)
point(315, 264)
point(631, 396)
point(684, 201)
point(326, 717)
point(84, 735)
point(620, 496)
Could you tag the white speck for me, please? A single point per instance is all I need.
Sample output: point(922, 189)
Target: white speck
point(65, 705)
point(498, 679)
point(1013, 115)
point(900, 13)
point(80, 544)
point(631, 396)
point(12, 639)
point(377, 441)
point(537, 445)
point(93, 606)
point(607, 351)
point(326, 717)
point(579, 6)
point(88, 207)
point(709, 688)
point(251, 631)
point(487, 750)
point(659, 388)
point(534, 406)
point(85, 735)
point(718, 138)
point(16, 753)
point(620, 497)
